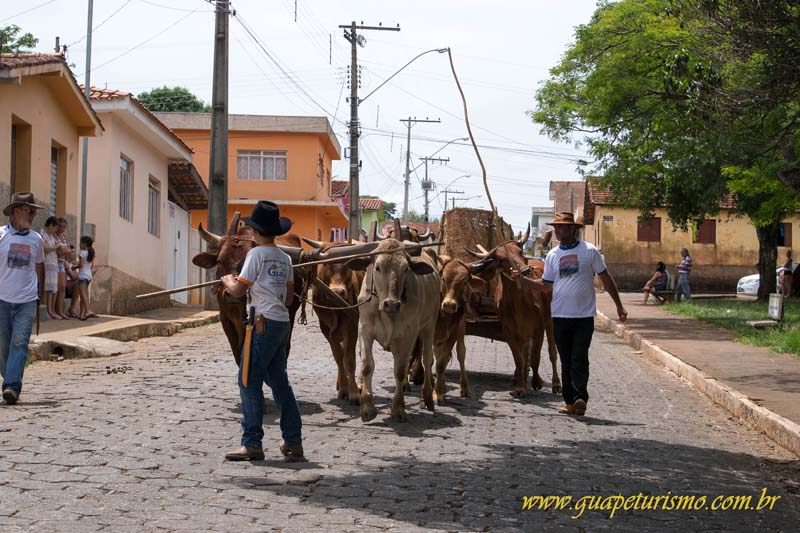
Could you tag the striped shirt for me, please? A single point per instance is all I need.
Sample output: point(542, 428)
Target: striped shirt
point(686, 265)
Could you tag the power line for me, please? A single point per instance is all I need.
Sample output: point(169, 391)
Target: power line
point(104, 21)
point(28, 10)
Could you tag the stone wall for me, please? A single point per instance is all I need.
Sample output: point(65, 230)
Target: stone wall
point(114, 292)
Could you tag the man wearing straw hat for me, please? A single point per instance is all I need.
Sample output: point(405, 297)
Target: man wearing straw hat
point(570, 269)
point(21, 285)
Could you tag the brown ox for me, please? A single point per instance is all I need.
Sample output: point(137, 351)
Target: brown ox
point(457, 286)
point(523, 308)
point(340, 327)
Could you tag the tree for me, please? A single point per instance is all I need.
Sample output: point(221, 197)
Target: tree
point(166, 99)
point(647, 83)
point(11, 42)
point(389, 210)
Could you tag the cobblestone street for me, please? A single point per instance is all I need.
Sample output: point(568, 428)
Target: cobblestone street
point(136, 443)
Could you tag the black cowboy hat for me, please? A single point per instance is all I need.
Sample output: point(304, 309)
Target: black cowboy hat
point(19, 199)
point(266, 219)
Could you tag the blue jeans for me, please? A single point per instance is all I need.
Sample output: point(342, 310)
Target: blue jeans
point(683, 288)
point(16, 322)
point(268, 365)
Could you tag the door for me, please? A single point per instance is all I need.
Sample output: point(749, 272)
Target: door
point(178, 251)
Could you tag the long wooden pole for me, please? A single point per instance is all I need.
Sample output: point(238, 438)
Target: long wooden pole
point(299, 265)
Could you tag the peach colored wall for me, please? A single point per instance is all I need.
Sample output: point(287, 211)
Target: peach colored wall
point(34, 102)
point(127, 246)
point(302, 151)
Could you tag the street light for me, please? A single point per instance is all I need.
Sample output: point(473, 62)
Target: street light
point(439, 50)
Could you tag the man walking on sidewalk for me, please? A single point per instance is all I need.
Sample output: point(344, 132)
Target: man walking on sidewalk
point(570, 270)
point(684, 269)
point(21, 285)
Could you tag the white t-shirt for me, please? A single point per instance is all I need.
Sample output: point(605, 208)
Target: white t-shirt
point(19, 255)
point(85, 271)
point(572, 270)
point(266, 271)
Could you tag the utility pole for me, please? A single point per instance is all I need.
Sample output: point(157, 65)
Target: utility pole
point(218, 180)
point(351, 34)
point(449, 191)
point(453, 199)
point(427, 185)
point(87, 90)
point(407, 181)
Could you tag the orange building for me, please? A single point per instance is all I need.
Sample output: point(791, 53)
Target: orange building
point(283, 159)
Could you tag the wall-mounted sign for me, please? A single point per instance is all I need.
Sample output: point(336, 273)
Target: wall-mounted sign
point(608, 218)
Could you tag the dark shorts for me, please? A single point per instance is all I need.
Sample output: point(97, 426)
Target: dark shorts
point(84, 281)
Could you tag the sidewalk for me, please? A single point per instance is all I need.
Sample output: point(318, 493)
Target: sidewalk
point(106, 335)
point(756, 385)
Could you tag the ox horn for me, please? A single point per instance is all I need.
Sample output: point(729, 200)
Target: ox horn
point(312, 243)
point(524, 238)
point(234, 227)
point(292, 251)
point(210, 238)
point(398, 230)
point(477, 255)
point(424, 236)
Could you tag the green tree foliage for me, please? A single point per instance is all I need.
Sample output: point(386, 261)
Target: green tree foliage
point(676, 112)
point(12, 42)
point(166, 99)
point(389, 210)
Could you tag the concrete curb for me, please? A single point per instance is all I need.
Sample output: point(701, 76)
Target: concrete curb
point(82, 347)
point(782, 430)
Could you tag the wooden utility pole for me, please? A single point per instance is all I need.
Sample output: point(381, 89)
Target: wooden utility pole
point(87, 89)
point(407, 181)
point(218, 180)
point(356, 40)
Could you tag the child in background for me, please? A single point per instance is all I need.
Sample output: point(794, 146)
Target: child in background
point(86, 259)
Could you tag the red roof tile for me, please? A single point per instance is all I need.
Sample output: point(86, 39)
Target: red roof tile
point(10, 61)
point(339, 187)
point(371, 204)
point(604, 196)
point(96, 93)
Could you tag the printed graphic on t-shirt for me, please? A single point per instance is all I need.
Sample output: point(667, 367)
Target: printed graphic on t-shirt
point(567, 266)
point(19, 256)
point(276, 271)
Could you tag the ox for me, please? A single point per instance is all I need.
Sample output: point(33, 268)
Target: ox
point(340, 327)
point(457, 286)
point(406, 233)
point(400, 296)
point(523, 308)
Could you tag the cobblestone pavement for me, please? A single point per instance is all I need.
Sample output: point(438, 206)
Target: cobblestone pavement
point(135, 443)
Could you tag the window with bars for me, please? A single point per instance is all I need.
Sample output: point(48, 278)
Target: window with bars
point(126, 188)
point(649, 230)
point(261, 165)
point(705, 232)
point(153, 206)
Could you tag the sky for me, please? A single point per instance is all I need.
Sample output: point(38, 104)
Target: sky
point(502, 51)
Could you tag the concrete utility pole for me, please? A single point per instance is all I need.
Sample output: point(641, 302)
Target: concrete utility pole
point(407, 181)
point(427, 185)
point(87, 89)
point(449, 191)
point(218, 180)
point(351, 34)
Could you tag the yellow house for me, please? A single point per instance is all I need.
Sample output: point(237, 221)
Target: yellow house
point(723, 247)
point(141, 189)
point(283, 159)
point(42, 114)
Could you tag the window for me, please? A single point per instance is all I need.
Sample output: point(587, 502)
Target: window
point(126, 189)
point(649, 230)
point(261, 165)
point(705, 232)
point(785, 237)
point(153, 206)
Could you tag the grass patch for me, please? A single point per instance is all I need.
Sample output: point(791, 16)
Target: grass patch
point(734, 314)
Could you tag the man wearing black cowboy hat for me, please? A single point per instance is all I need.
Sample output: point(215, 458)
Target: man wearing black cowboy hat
point(267, 277)
point(21, 285)
point(570, 270)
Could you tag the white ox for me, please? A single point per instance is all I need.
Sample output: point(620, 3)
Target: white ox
point(402, 305)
